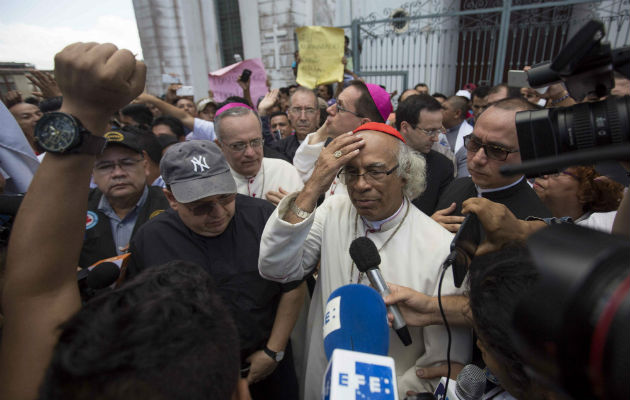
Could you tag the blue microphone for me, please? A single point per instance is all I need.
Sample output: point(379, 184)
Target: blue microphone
point(356, 319)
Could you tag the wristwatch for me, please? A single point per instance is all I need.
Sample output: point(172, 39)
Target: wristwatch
point(277, 356)
point(62, 133)
point(298, 211)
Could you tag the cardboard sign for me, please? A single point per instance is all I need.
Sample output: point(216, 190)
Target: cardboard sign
point(321, 51)
point(223, 81)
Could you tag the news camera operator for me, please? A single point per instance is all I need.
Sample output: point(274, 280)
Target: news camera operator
point(154, 346)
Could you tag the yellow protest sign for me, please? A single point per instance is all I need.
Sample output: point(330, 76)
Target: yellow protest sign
point(321, 51)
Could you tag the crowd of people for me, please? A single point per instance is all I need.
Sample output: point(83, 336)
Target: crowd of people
point(231, 222)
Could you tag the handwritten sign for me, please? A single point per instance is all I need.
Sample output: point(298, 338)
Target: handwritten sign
point(321, 51)
point(223, 81)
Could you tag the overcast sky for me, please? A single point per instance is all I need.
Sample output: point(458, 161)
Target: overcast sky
point(34, 31)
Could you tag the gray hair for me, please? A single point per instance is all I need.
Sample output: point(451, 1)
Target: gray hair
point(232, 112)
point(412, 167)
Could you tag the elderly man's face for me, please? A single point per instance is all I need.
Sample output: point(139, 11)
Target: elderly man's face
point(304, 113)
point(26, 116)
point(237, 131)
point(207, 217)
point(120, 173)
point(495, 127)
point(375, 198)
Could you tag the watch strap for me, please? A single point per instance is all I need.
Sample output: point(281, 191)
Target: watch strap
point(276, 356)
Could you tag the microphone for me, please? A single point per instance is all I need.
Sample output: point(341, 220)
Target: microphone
point(356, 341)
point(470, 385)
point(366, 257)
point(96, 278)
point(356, 319)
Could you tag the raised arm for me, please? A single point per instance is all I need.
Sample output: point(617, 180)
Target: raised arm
point(40, 289)
point(168, 109)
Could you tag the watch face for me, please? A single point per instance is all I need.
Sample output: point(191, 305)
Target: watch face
point(57, 132)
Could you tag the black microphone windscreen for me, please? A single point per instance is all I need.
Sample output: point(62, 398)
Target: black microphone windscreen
point(103, 275)
point(471, 383)
point(364, 254)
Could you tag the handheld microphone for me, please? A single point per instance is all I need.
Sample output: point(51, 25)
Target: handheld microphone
point(96, 278)
point(366, 257)
point(356, 319)
point(470, 385)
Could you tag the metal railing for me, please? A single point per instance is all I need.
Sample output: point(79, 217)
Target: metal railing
point(447, 44)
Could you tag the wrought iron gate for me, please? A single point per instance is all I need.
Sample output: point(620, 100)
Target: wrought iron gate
point(446, 44)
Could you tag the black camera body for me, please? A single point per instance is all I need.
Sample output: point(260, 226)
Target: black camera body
point(550, 139)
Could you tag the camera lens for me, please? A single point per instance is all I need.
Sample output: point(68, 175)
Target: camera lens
point(553, 131)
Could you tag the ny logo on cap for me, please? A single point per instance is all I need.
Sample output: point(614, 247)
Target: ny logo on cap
point(199, 162)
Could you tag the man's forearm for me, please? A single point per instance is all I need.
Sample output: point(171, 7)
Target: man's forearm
point(455, 308)
point(169, 109)
point(288, 310)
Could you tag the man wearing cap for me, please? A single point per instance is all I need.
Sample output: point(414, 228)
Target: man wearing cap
point(382, 174)
point(357, 104)
point(454, 111)
point(213, 226)
point(239, 135)
point(122, 201)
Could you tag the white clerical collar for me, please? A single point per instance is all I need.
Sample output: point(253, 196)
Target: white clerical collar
point(376, 226)
point(481, 191)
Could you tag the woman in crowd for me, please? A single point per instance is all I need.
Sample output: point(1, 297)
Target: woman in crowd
point(582, 194)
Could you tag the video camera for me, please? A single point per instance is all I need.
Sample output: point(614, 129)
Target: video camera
point(573, 326)
point(553, 138)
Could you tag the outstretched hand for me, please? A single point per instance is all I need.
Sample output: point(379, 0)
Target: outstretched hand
point(500, 225)
point(450, 222)
point(417, 308)
point(45, 82)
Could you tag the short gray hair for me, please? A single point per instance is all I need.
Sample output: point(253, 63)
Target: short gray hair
point(412, 167)
point(233, 112)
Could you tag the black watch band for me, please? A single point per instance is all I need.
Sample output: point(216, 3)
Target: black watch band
point(276, 356)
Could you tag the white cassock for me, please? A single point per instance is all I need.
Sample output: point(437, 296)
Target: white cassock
point(273, 174)
point(412, 257)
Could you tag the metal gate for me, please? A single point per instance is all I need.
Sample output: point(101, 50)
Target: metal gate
point(447, 44)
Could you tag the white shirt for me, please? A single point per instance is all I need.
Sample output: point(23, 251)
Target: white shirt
point(18, 161)
point(202, 130)
point(273, 174)
point(600, 221)
point(411, 258)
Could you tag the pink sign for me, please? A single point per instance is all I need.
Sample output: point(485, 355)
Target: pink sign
point(223, 81)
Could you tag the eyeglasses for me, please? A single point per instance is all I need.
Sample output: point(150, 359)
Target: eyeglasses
point(557, 174)
point(208, 206)
point(341, 109)
point(298, 111)
point(494, 152)
point(372, 175)
point(241, 146)
point(432, 133)
point(107, 167)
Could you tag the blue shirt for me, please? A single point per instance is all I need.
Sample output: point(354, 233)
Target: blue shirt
point(122, 229)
